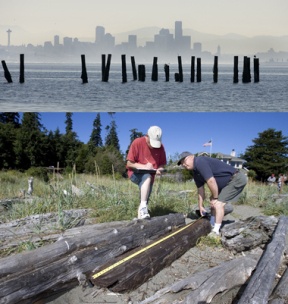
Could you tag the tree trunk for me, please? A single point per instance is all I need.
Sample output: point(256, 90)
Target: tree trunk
point(129, 271)
point(260, 284)
point(69, 260)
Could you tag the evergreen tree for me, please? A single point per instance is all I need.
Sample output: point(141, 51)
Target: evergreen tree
point(10, 117)
point(268, 154)
point(29, 144)
point(8, 133)
point(112, 137)
point(95, 138)
point(134, 134)
point(70, 143)
point(69, 123)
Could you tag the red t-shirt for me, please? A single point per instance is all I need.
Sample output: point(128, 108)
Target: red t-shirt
point(140, 152)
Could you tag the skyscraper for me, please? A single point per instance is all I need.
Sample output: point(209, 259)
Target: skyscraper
point(100, 33)
point(178, 31)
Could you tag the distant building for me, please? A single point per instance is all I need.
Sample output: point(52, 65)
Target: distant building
point(197, 47)
point(231, 159)
point(99, 34)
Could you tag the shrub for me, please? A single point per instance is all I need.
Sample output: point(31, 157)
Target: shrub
point(39, 172)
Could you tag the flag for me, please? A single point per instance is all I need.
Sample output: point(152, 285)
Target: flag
point(208, 143)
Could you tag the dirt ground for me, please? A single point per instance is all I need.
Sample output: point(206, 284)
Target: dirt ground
point(194, 260)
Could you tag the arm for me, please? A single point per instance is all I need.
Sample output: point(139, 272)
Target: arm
point(131, 164)
point(201, 198)
point(211, 182)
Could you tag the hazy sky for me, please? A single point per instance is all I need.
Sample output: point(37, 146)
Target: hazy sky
point(74, 18)
point(181, 131)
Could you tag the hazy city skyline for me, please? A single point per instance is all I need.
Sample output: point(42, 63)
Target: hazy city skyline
point(41, 20)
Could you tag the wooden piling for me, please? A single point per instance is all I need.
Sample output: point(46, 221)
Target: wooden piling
point(154, 76)
point(103, 64)
point(235, 75)
point(166, 70)
point(256, 70)
point(124, 71)
point(246, 77)
point(134, 72)
point(192, 78)
point(107, 68)
point(180, 69)
point(21, 77)
point(141, 72)
point(198, 76)
point(84, 76)
point(176, 77)
point(215, 69)
point(7, 74)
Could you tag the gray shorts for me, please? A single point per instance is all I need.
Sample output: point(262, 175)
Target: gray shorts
point(232, 192)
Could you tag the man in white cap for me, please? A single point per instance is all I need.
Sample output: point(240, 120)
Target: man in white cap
point(146, 157)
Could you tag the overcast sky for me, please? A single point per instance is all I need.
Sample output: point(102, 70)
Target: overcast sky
point(182, 131)
point(74, 18)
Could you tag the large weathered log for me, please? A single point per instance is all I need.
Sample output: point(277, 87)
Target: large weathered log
point(40, 227)
point(261, 282)
point(129, 271)
point(25, 276)
point(280, 293)
point(205, 285)
point(248, 234)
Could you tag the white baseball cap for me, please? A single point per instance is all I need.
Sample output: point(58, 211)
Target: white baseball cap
point(155, 136)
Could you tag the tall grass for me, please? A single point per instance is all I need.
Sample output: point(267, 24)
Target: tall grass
point(116, 198)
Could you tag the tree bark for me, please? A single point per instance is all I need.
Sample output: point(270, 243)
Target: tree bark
point(25, 276)
point(260, 284)
point(205, 285)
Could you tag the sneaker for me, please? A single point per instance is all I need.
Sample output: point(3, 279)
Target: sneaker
point(143, 213)
point(214, 234)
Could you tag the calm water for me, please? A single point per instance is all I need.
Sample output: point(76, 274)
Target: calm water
point(54, 87)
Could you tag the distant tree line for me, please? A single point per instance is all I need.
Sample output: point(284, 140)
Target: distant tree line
point(27, 143)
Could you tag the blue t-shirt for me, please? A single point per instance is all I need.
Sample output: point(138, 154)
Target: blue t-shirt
point(206, 167)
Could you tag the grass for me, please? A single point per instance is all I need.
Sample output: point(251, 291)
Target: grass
point(115, 199)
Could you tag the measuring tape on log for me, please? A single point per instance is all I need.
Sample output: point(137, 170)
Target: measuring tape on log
point(98, 274)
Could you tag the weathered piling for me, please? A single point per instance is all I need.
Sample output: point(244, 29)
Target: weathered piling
point(166, 70)
point(246, 77)
point(256, 70)
point(154, 76)
point(7, 74)
point(103, 64)
point(141, 72)
point(192, 78)
point(198, 76)
point(124, 70)
point(215, 69)
point(107, 68)
point(176, 77)
point(21, 77)
point(84, 75)
point(134, 72)
point(180, 69)
point(235, 71)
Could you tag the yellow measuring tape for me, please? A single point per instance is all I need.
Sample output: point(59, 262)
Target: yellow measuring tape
point(96, 275)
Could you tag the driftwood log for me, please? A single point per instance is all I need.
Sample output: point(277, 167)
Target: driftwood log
point(236, 273)
point(205, 285)
point(261, 283)
point(247, 234)
point(129, 271)
point(24, 277)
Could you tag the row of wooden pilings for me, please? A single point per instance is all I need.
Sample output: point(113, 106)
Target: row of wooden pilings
point(105, 67)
